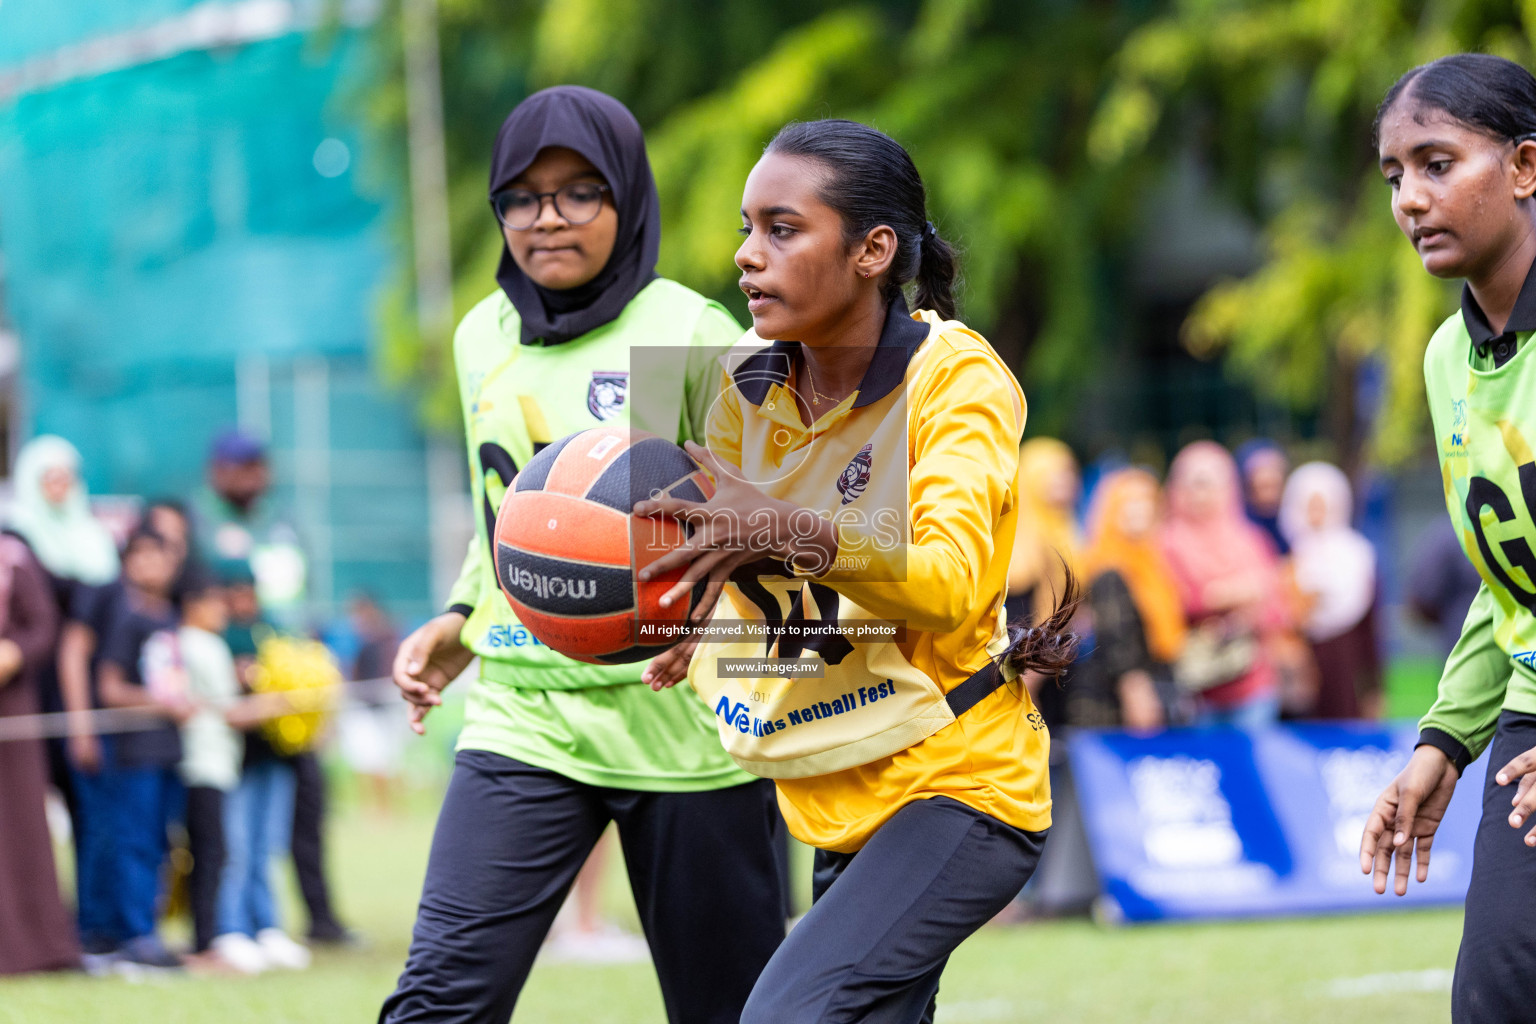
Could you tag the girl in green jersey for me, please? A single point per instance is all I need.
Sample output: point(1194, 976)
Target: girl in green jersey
point(1457, 143)
point(552, 749)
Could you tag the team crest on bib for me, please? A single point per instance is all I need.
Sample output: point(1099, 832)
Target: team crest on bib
point(855, 475)
point(606, 393)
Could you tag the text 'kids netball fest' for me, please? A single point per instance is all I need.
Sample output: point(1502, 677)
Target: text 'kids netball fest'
point(711, 513)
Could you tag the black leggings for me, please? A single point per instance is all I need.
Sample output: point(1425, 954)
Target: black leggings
point(205, 839)
point(509, 842)
point(1497, 961)
point(887, 918)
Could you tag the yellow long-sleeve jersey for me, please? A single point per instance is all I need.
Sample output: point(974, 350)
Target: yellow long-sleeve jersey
point(917, 470)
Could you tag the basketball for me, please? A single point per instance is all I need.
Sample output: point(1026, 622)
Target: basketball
point(569, 552)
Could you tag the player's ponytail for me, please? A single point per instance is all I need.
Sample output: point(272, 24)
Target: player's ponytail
point(1048, 647)
point(871, 180)
point(936, 273)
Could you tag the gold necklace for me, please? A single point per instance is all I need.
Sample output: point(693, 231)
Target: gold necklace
point(816, 396)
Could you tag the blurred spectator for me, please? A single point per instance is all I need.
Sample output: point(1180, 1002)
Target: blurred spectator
point(96, 862)
point(258, 815)
point(211, 748)
point(1442, 583)
point(171, 520)
point(371, 730)
point(1264, 468)
point(135, 671)
point(1228, 579)
point(236, 522)
point(581, 932)
point(1045, 546)
point(1138, 618)
point(35, 931)
point(1046, 539)
point(307, 845)
point(376, 636)
point(1334, 567)
point(51, 512)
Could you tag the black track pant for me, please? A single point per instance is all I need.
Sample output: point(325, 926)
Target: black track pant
point(887, 918)
point(1497, 962)
point(205, 838)
point(308, 846)
point(509, 843)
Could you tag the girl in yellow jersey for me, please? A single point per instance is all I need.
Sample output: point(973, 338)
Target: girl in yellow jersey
point(865, 465)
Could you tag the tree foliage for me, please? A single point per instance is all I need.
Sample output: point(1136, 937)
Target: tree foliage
point(1043, 130)
point(1278, 98)
point(992, 98)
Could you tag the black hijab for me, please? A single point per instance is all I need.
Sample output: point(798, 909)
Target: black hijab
point(603, 130)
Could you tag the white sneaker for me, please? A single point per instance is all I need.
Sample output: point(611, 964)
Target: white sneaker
point(607, 945)
point(281, 951)
point(240, 952)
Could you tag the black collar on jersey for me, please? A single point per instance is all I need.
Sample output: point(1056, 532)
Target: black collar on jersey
point(603, 130)
point(1521, 319)
point(899, 339)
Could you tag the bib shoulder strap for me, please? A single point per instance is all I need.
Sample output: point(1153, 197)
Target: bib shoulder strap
point(975, 689)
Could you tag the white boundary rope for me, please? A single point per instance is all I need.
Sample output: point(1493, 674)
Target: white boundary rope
point(107, 721)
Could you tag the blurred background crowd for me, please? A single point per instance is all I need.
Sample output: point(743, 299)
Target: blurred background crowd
point(161, 691)
point(1234, 590)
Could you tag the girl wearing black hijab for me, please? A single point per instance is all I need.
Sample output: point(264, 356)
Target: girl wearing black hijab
point(552, 749)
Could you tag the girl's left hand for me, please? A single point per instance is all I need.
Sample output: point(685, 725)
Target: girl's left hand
point(740, 524)
point(1523, 768)
point(670, 666)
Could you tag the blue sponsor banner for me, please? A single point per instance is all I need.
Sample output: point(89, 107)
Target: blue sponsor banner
point(1225, 823)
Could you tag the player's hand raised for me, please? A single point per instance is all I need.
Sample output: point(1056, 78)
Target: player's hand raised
point(670, 666)
point(738, 525)
point(1405, 818)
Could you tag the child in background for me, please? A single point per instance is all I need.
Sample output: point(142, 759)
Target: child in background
point(258, 818)
point(211, 747)
point(1264, 468)
point(146, 789)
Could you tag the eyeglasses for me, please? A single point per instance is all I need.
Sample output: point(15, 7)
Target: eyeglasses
point(577, 203)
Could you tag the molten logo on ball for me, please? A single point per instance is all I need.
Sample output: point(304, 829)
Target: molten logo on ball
point(543, 587)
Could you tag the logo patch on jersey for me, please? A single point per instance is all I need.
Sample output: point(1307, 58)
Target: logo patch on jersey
point(606, 393)
point(856, 475)
point(1456, 443)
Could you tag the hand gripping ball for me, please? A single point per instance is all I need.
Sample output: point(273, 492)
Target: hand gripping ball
point(569, 552)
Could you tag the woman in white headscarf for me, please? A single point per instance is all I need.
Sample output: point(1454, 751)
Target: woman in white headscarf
point(50, 511)
point(1335, 573)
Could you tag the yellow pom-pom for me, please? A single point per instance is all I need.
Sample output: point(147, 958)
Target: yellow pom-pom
point(306, 673)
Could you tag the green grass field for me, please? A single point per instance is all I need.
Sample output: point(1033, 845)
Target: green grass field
point(1393, 965)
